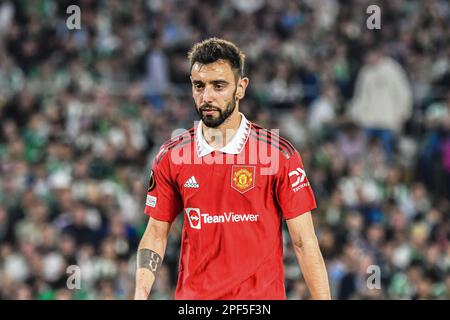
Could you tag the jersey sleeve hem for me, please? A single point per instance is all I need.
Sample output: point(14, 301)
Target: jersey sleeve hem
point(157, 216)
point(298, 212)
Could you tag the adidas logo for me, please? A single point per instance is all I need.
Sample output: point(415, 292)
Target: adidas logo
point(191, 183)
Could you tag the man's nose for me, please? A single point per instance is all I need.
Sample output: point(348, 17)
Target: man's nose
point(208, 95)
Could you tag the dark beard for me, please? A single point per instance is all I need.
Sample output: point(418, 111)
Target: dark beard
point(212, 122)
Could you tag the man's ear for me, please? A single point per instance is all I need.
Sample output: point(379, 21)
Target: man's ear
point(241, 87)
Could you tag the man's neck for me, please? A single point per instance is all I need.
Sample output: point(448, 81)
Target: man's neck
point(220, 136)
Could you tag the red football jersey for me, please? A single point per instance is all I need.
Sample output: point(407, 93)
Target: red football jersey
point(233, 201)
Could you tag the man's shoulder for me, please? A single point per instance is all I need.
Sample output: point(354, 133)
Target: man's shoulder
point(272, 137)
point(184, 139)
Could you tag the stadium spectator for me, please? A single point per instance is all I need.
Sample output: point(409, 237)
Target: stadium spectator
point(382, 101)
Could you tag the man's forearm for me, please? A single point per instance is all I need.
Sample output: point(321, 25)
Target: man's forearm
point(149, 259)
point(313, 269)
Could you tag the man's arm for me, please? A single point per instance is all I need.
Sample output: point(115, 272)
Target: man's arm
point(307, 251)
point(149, 256)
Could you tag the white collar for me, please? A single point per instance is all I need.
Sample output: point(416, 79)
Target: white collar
point(235, 146)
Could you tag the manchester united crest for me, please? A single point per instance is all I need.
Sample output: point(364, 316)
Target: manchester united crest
point(243, 178)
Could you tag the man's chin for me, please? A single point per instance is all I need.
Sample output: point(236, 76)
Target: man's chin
point(211, 122)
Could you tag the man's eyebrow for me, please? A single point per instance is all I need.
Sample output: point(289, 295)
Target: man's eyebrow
point(219, 81)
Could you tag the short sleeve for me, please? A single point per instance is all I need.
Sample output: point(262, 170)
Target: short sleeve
point(293, 190)
point(163, 199)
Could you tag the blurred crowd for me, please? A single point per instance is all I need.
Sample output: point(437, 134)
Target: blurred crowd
point(83, 112)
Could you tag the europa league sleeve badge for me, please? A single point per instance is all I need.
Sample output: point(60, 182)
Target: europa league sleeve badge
point(152, 182)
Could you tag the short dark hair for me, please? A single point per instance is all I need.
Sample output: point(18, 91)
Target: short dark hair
point(213, 49)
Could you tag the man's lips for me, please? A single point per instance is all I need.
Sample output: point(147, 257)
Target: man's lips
point(208, 111)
